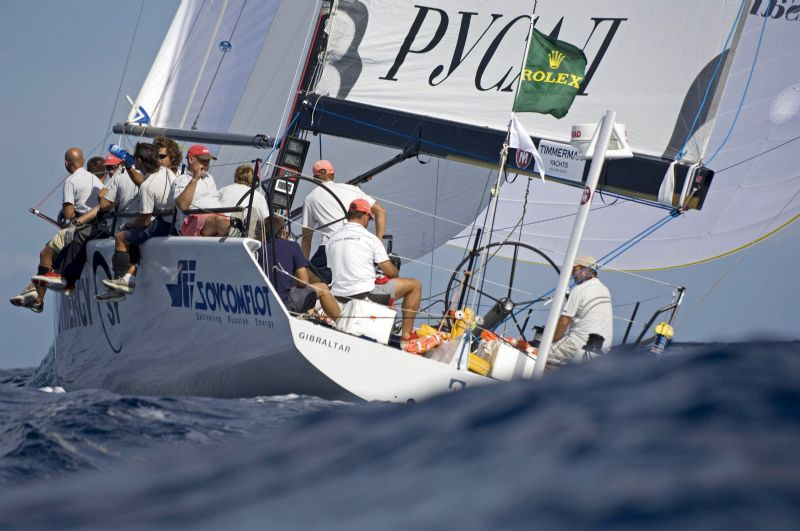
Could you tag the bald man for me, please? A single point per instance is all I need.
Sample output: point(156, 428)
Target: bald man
point(79, 197)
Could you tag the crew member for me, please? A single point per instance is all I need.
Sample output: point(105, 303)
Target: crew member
point(197, 190)
point(155, 198)
point(353, 252)
point(79, 196)
point(323, 213)
point(587, 311)
point(237, 194)
point(291, 274)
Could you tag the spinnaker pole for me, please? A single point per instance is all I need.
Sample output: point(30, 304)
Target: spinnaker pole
point(598, 159)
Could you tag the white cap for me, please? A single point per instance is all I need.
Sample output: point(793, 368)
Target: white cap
point(585, 261)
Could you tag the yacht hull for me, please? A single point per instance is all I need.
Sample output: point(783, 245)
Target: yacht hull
point(204, 320)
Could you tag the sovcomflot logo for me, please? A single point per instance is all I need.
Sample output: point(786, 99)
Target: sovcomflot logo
point(219, 297)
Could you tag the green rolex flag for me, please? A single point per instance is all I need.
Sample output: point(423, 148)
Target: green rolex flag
point(551, 77)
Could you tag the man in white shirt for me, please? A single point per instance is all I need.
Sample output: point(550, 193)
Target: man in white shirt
point(155, 197)
point(237, 194)
point(353, 252)
point(119, 192)
point(79, 196)
point(195, 190)
point(587, 311)
point(324, 214)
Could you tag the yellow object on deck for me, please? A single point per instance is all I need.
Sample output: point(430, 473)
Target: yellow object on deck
point(665, 329)
point(479, 365)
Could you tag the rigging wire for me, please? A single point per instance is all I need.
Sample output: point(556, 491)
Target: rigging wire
point(124, 72)
point(744, 93)
point(682, 151)
point(219, 65)
point(748, 159)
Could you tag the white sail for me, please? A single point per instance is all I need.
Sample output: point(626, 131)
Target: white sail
point(667, 68)
point(228, 65)
point(460, 60)
point(755, 192)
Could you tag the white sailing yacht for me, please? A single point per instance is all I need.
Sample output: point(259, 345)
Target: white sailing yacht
point(708, 92)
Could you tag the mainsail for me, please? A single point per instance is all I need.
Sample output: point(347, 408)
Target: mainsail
point(679, 75)
point(228, 66)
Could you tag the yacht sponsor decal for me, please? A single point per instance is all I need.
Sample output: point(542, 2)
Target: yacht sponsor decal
point(325, 342)
point(219, 302)
point(76, 311)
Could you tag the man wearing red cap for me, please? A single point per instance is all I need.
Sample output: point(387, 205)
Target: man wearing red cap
point(121, 194)
point(353, 252)
point(324, 214)
point(197, 190)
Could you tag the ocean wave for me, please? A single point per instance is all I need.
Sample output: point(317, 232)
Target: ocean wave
point(702, 440)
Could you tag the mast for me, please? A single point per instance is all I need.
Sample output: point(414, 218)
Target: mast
point(598, 159)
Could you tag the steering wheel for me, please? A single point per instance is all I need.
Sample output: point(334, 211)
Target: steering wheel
point(504, 297)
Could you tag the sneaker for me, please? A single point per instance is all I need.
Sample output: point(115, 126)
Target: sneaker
point(24, 298)
point(37, 308)
point(120, 284)
point(109, 295)
point(51, 280)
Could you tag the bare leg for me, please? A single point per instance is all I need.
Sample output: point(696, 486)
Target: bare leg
point(45, 261)
point(326, 299)
point(216, 226)
point(119, 242)
point(410, 289)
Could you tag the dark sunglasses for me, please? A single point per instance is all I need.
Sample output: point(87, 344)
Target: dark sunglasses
point(162, 155)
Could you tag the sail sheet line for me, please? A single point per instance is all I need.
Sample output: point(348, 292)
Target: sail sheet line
point(748, 159)
point(682, 151)
point(219, 65)
point(744, 93)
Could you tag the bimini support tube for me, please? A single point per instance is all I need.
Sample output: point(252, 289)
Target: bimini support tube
point(598, 159)
point(205, 137)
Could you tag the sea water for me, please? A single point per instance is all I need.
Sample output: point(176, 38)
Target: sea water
point(705, 438)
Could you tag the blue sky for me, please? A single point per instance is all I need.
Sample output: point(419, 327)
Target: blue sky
point(62, 65)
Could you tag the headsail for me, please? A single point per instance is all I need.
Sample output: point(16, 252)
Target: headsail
point(757, 185)
point(443, 73)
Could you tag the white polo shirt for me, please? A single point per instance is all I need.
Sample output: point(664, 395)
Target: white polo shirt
point(155, 193)
point(589, 305)
point(80, 190)
point(123, 192)
point(321, 208)
point(352, 254)
point(205, 195)
point(231, 195)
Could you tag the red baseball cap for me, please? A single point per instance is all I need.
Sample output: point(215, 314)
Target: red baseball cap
point(201, 152)
point(323, 166)
point(360, 205)
point(111, 160)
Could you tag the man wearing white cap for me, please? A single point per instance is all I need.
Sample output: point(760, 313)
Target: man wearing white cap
point(587, 311)
point(324, 214)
